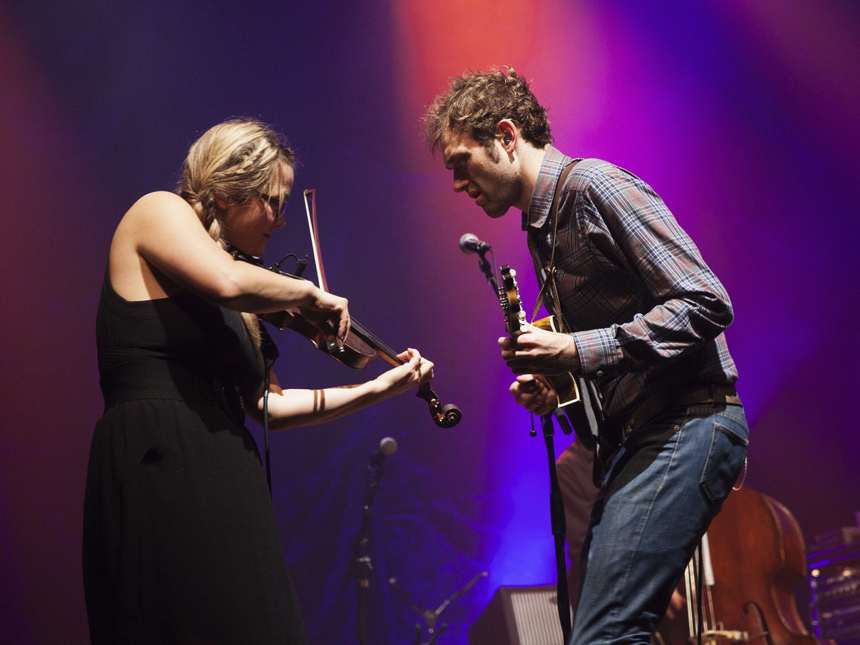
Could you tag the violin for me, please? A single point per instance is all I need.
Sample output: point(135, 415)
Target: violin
point(753, 556)
point(361, 347)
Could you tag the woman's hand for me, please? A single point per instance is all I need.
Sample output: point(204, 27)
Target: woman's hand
point(329, 313)
point(534, 393)
point(302, 407)
point(412, 373)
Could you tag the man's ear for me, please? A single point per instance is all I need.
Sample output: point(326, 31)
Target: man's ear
point(507, 133)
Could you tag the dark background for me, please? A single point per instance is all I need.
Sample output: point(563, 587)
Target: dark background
point(743, 115)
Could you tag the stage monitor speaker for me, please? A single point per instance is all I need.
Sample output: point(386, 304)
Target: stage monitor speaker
point(519, 616)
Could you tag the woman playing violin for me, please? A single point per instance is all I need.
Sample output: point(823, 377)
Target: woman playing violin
point(180, 539)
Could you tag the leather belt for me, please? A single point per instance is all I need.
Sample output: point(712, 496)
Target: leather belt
point(703, 394)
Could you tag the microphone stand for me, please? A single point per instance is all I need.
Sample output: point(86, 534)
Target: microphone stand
point(362, 565)
point(485, 266)
point(430, 616)
point(559, 528)
point(556, 505)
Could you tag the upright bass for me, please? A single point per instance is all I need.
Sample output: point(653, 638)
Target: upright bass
point(752, 557)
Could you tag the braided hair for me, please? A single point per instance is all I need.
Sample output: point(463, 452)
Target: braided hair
point(237, 159)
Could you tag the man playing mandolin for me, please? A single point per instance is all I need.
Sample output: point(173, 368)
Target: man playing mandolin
point(644, 319)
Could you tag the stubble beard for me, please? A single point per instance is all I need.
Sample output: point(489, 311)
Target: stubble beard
point(504, 193)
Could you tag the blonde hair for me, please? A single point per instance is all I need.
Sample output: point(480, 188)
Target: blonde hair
point(237, 159)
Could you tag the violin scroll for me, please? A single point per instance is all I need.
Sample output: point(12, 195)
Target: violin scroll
point(444, 417)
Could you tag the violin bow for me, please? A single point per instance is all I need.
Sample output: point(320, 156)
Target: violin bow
point(443, 416)
point(311, 210)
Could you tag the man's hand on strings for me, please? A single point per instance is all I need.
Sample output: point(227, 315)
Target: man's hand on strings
point(537, 351)
point(534, 393)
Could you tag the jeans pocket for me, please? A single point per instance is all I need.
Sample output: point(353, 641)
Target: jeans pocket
point(726, 454)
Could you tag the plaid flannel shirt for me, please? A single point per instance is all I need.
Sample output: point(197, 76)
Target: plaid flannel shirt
point(646, 312)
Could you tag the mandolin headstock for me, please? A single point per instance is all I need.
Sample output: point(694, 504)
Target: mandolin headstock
point(509, 297)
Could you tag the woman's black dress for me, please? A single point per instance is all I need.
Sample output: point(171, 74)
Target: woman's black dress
point(181, 544)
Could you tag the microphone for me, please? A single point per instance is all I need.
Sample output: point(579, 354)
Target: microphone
point(387, 447)
point(471, 244)
point(301, 265)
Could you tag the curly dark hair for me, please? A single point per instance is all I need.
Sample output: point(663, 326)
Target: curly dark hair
point(475, 103)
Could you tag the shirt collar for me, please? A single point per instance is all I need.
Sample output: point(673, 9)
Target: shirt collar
point(541, 200)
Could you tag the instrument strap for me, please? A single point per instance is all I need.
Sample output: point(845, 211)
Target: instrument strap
point(550, 277)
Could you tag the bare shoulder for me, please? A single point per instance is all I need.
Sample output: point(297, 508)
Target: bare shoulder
point(156, 218)
point(154, 225)
point(160, 205)
point(162, 198)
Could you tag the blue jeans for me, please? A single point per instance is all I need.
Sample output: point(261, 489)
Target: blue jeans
point(660, 491)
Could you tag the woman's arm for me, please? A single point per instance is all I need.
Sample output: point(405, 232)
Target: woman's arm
point(160, 247)
point(293, 408)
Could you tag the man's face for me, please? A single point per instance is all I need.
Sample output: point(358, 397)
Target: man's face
point(493, 184)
